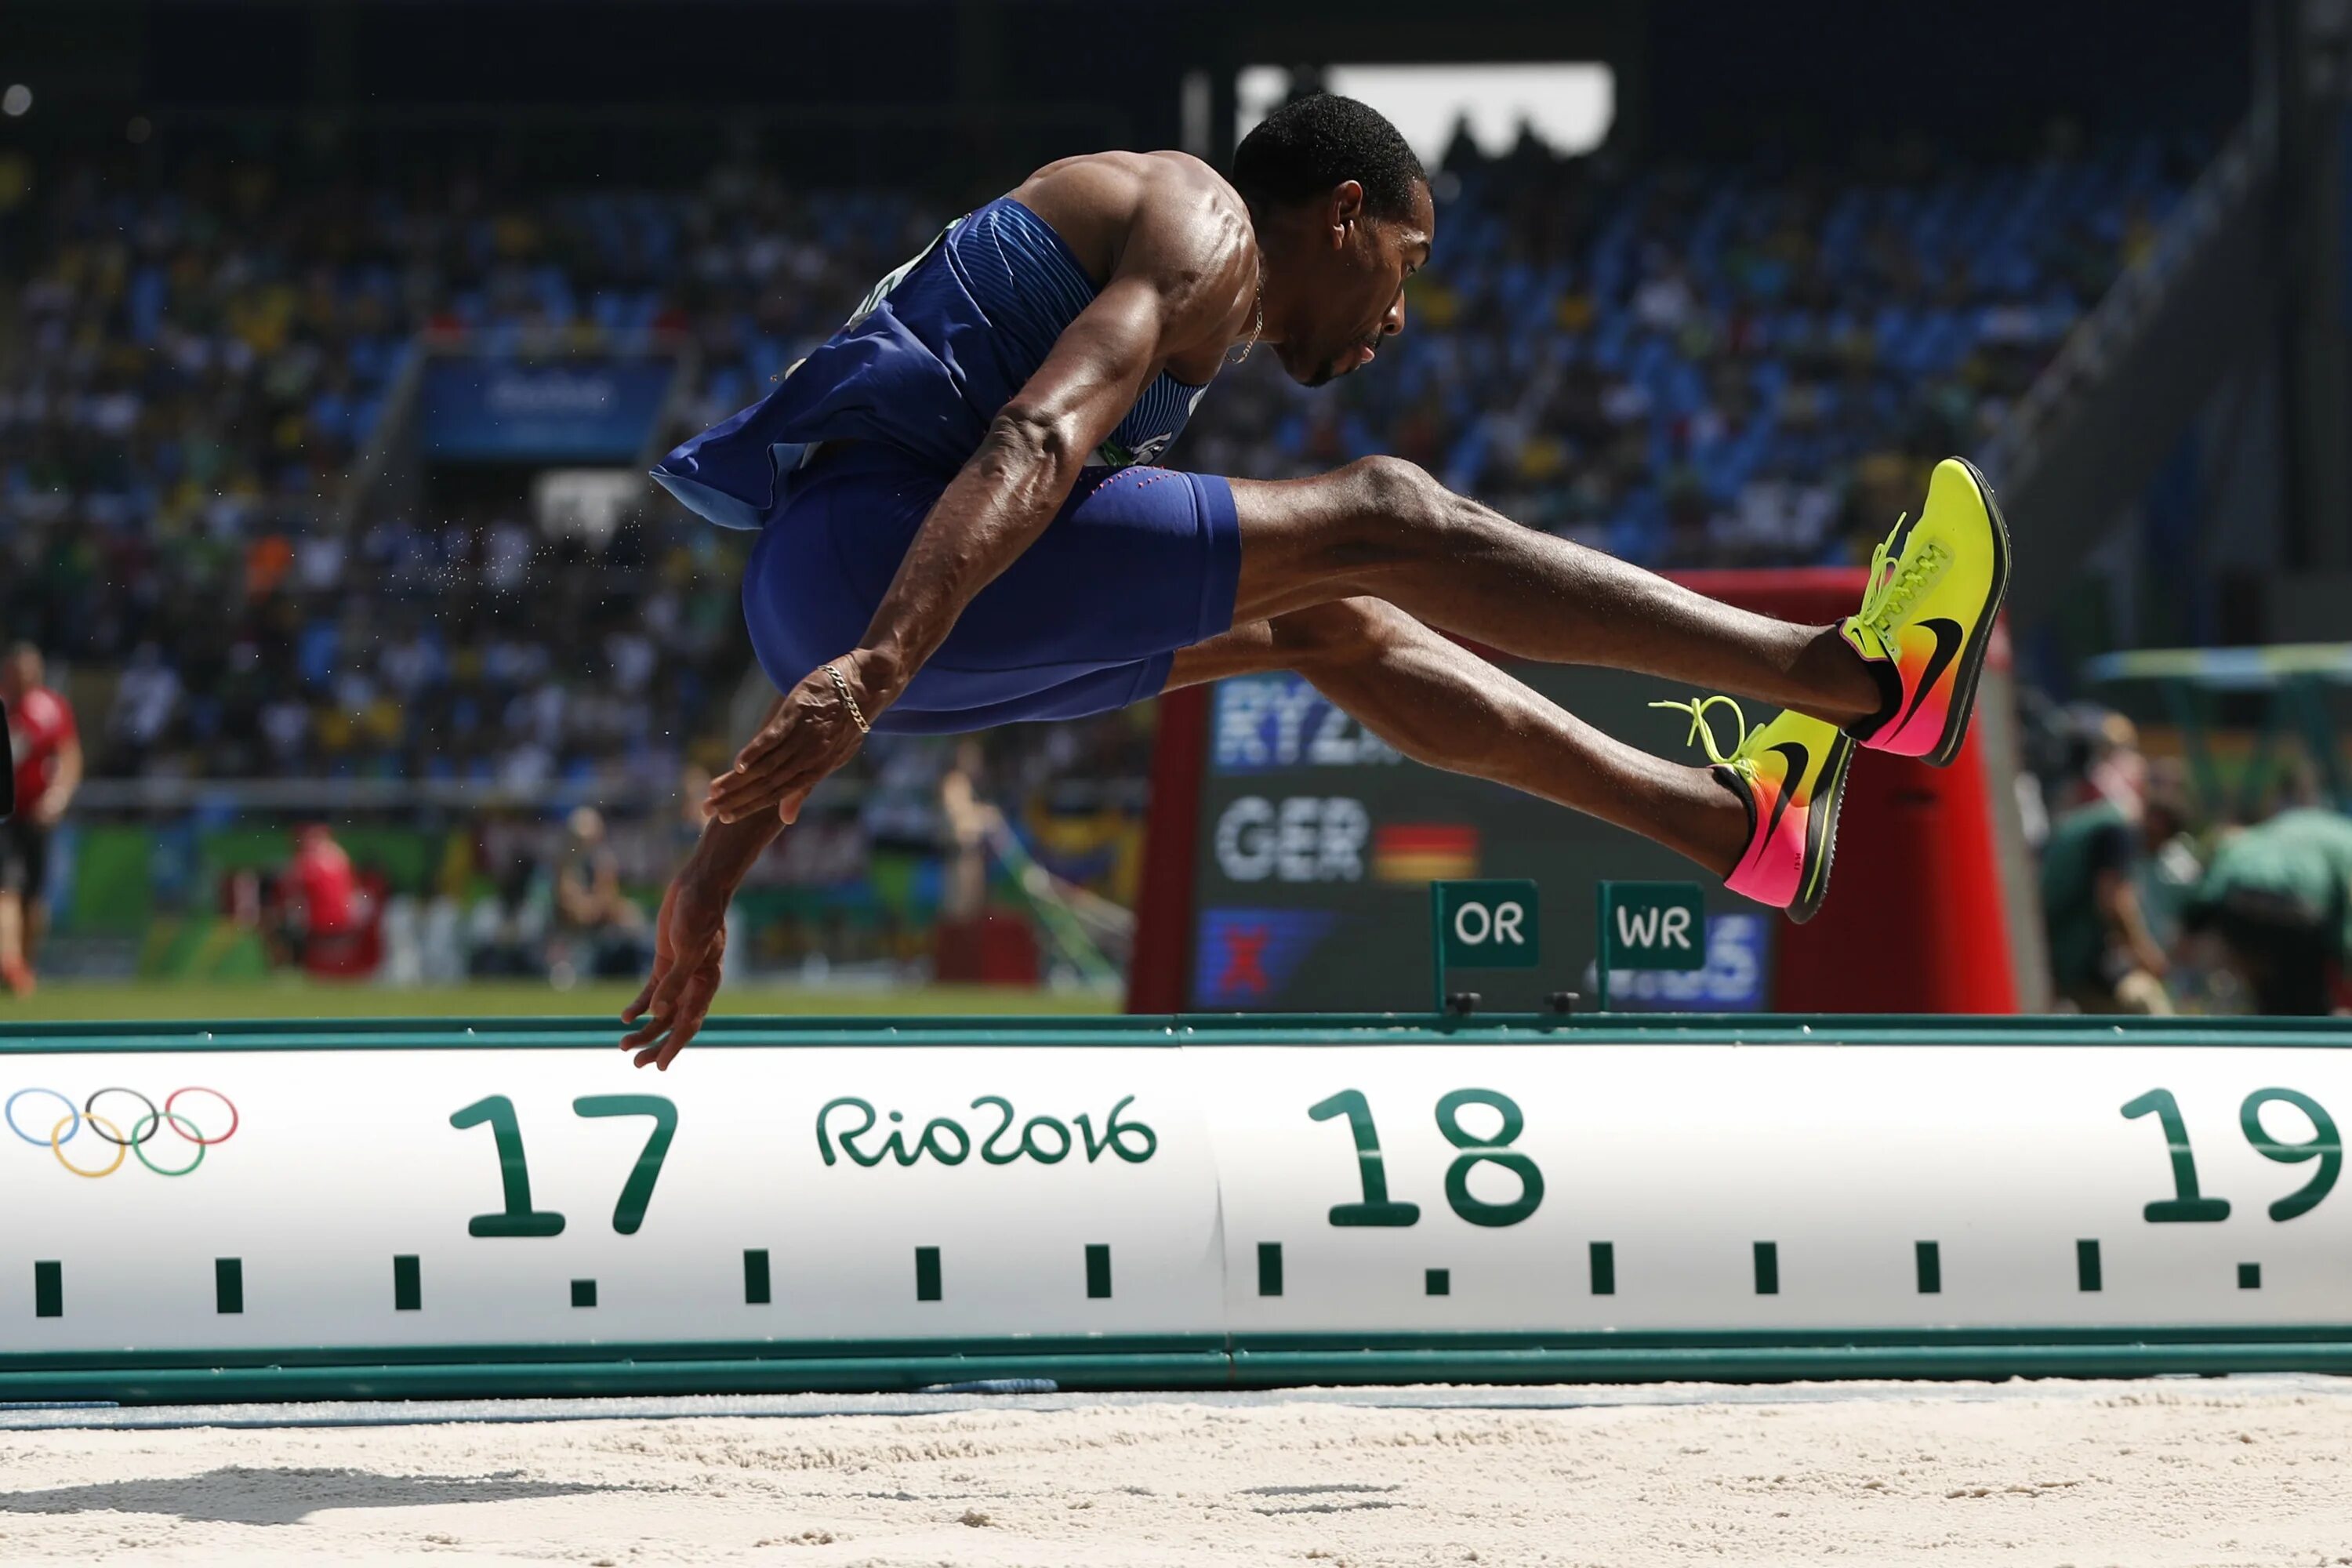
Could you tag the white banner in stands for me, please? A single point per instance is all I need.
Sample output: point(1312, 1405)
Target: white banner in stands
point(474, 1199)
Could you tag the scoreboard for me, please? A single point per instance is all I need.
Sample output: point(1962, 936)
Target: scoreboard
point(1316, 843)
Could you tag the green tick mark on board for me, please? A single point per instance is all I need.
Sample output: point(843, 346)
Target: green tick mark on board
point(1437, 1282)
point(1604, 1267)
point(1767, 1268)
point(1270, 1269)
point(49, 1291)
point(927, 1274)
point(228, 1285)
point(407, 1284)
point(2249, 1276)
point(583, 1293)
point(755, 1277)
point(1097, 1271)
point(1930, 1259)
point(2086, 1265)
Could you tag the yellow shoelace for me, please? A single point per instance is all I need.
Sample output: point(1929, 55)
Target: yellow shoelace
point(1701, 734)
point(1891, 591)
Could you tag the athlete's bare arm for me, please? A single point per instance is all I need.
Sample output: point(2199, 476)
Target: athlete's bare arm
point(1173, 243)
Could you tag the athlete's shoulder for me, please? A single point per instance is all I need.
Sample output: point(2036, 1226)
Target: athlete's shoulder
point(1099, 201)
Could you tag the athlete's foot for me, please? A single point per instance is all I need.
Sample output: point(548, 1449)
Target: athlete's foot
point(18, 976)
point(1789, 774)
point(1926, 618)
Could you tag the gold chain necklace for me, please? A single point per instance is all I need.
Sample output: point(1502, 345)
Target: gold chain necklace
point(1257, 320)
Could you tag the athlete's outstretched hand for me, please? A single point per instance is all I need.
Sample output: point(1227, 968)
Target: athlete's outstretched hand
point(811, 732)
point(689, 940)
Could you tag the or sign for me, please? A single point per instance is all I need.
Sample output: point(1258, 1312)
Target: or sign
point(1487, 924)
point(1650, 925)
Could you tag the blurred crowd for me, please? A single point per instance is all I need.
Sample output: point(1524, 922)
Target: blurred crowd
point(1685, 366)
point(2155, 902)
point(1717, 367)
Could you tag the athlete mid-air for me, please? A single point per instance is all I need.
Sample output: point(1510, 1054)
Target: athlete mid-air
point(957, 528)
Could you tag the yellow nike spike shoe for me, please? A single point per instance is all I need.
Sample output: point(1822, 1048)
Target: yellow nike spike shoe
point(1790, 774)
point(1926, 618)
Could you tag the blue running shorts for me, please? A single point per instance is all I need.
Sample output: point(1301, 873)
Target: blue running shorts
point(1138, 562)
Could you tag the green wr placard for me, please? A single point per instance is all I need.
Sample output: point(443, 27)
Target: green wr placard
point(1487, 924)
point(1652, 925)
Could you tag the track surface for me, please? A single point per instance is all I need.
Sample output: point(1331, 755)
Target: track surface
point(2163, 1473)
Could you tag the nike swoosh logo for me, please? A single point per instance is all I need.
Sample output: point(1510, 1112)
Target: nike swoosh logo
point(1947, 648)
point(1798, 760)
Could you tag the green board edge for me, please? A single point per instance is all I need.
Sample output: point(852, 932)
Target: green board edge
point(1111, 1368)
point(1187, 1030)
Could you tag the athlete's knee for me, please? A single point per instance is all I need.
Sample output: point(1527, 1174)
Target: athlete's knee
point(1343, 632)
point(1397, 512)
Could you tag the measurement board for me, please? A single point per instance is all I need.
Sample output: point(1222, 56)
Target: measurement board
point(266, 1210)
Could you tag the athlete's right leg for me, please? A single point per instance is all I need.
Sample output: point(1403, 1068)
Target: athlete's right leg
point(1763, 819)
point(1385, 527)
point(1442, 705)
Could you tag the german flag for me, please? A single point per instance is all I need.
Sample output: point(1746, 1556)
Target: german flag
point(1424, 851)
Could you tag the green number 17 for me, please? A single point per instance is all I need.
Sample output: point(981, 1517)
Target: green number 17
point(517, 1217)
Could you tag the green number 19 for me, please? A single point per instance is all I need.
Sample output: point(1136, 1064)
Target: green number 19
point(2326, 1145)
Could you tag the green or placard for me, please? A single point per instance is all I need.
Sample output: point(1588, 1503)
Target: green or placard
point(1486, 924)
point(1649, 925)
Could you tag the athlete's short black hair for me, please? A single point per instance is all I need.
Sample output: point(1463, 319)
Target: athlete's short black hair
point(1310, 145)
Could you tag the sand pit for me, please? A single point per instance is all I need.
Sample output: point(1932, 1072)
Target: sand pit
point(2161, 1474)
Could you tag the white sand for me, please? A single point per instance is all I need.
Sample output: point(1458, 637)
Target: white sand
point(2147, 1474)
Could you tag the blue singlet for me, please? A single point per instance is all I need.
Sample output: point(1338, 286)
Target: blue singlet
point(1138, 562)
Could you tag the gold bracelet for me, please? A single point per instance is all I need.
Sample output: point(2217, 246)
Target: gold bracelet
point(848, 701)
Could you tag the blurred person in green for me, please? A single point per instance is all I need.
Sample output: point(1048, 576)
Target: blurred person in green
point(2105, 956)
point(2275, 909)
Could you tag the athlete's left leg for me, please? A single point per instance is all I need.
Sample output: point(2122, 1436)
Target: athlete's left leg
point(1384, 527)
point(1442, 705)
point(1900, 675)
point(1764, 818)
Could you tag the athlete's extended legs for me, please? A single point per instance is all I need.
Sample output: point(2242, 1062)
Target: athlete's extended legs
point(1337, 572)
point(1385, 528)
point(1442, 705)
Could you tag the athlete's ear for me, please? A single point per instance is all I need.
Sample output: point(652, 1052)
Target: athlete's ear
point(1346, 207)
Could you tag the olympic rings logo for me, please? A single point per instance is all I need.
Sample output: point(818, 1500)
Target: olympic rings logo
point(144, 1128)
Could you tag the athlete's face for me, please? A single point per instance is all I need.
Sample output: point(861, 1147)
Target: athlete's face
point(1350, 292)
